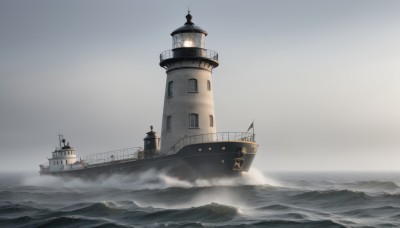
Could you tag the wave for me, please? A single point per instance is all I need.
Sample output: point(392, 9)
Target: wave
point(305, 223)
point(375, 185)
point(16, 209)
point(150, 179)
point(89, 209)
point(392, 197)
point(72, 221)
point(373, 211)
point(106, 213)
point(14, 222)
point(277, 207)
point(210, 213)
point(332, 197)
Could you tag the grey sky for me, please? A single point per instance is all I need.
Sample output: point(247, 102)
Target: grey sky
point(320, 78)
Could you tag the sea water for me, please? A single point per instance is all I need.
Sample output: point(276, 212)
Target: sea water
point(152, 199)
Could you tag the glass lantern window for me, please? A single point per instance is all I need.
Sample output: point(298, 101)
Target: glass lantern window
point(180, 40)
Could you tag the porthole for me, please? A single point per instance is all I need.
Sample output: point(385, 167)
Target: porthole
point(209, 148)
point(223, 148)
point(199, 149)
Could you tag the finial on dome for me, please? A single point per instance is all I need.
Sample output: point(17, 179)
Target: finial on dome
point(188, 18)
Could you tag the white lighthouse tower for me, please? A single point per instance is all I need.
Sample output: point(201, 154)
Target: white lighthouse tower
point(188, 104)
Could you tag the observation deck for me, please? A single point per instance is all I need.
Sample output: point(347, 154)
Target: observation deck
point(193, 53)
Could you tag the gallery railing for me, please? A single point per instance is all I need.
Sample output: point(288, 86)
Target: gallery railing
point(188, 53)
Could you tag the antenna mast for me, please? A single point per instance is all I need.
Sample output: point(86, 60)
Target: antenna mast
point(60, 138)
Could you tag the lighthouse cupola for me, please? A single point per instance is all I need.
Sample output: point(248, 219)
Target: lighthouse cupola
point(189, 35)
point(188, 103)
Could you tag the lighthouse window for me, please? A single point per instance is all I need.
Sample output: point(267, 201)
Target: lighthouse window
point(188, 40)
point(208, 85)
point(193, 120)
point(170, 87)
point(211, 121)
point(169, 126)
point(192, 85)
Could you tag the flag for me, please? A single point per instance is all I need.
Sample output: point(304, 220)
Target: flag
point(251, 126)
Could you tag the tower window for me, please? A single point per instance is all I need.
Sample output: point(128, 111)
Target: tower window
point(169, 124)
point(193, 120)
point(192, 86)
point(208, 85)
point(170, 87)
point(211, 121)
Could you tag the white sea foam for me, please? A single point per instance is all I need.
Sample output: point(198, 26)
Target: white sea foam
point(150, 179)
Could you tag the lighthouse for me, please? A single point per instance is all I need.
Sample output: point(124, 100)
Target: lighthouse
point(188, 103)
point(190, 146)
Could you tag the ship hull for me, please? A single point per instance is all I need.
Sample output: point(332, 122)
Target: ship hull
point(202, 160)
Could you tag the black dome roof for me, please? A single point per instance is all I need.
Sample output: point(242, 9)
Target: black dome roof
point(189, 27)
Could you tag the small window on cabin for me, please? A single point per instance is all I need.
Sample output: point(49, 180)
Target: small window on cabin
point(208, 85)
point(193, 120)
point(192, 86)
point(170, 88)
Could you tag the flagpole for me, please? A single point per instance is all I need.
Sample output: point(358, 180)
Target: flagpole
point(253, 132)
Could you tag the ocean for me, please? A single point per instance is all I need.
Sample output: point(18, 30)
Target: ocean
point(151, 199)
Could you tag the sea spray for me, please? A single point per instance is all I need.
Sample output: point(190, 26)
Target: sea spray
point(154, 199)
point(150, 179)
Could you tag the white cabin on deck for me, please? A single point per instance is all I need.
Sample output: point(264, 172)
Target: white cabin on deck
point(64, 158)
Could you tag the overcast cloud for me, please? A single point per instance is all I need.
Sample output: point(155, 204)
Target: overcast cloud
point(320, 78)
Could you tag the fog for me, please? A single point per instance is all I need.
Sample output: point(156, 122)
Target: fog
point(320, 79)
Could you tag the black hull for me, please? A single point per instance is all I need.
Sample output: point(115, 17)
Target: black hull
point(203, 160)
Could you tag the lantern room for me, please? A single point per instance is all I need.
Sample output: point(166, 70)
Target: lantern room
point(189, 35)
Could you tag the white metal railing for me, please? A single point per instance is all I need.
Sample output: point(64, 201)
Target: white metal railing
point(110, 156)
point(212, 137)
point(205, 53)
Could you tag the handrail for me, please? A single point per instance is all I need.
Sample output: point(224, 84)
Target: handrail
point(111, 156)
point(212, 137)
point(188, 52)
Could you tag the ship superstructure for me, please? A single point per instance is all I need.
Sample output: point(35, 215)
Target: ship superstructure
point(190, 145)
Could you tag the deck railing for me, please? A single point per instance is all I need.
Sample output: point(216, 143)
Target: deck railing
point(211, 137)
point(111, 156)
